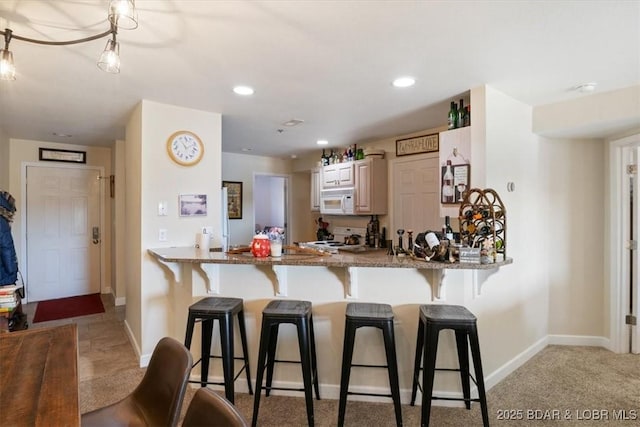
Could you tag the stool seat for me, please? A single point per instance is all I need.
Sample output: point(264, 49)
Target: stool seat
point(287, 309)
point(206, 311)
point(299, 313)
point(369, 311)
point(216, 305)
point(447, 315)
point(358, 315)
point(433, 319)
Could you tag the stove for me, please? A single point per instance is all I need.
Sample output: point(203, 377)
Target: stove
point(338, 244)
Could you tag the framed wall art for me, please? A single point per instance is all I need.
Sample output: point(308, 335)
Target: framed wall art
point(234, 201)
point(55, 155)
point(193, 205)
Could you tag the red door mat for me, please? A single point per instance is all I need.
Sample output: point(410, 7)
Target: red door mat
point(65, 308)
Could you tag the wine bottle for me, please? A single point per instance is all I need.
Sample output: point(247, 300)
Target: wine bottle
point(324, 158)
point(460, 115)
point(467, 115)
point(448, 231)
point(453, 114)
point(447, 184)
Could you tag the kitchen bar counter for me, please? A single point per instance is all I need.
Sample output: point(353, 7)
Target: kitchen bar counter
point(330, 282)
point(370, 259)
point(209, 262)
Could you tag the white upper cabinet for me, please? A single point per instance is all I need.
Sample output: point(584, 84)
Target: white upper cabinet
point(338, 175)
point(371, 186)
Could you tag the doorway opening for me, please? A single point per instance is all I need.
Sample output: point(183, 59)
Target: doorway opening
point(271, 203)
point(624, 257)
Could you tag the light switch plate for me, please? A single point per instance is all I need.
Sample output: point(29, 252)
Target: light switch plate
point(162, 209)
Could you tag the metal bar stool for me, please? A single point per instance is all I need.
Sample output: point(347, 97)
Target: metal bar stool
point(433, 319)
point(380, 316)
point(274, 314)
point(206, 311)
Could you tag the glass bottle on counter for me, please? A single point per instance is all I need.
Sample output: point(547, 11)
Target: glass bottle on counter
point(447, 185)
point(448, 231)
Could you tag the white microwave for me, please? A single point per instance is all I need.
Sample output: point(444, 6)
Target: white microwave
point(338, 201)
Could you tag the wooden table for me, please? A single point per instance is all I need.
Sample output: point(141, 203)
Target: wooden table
point(39, 377)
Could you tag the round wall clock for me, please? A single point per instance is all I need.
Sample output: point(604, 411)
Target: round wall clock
point(185, 148)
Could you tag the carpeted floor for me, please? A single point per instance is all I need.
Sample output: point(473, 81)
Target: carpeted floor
point(573, 384)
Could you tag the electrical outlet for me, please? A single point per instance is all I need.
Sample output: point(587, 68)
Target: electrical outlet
point(208, 230)
point(162, 235)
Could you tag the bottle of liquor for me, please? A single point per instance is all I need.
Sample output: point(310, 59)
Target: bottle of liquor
point(453, 116)
point(467, 115)
point(324, 158)
point(460, 116)
point(448, 231)
point(447, 184)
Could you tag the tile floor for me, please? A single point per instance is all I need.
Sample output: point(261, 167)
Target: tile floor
point(103, 345)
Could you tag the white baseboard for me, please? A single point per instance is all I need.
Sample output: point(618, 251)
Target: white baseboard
point(579, 340)
point(143, 360)
point(120, 301)
point(503, 371)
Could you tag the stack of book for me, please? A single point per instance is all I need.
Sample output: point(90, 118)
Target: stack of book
point(9, 298)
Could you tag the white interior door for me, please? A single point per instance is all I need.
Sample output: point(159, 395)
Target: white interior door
point(416, 203)
point(63, 254)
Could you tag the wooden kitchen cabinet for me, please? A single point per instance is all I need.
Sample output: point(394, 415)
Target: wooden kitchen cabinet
point(338, 175)
point(371, 186)
point(316, 186)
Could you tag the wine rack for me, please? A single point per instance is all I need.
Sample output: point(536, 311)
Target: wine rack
point(483, 216)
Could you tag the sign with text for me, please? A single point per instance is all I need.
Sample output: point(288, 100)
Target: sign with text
point(417, 145)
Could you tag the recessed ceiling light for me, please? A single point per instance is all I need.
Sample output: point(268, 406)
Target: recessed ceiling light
point(247, 149)
point(322, 142)
point(404, 81)
point(243, 90)
point(62, 135)
point(586, 87)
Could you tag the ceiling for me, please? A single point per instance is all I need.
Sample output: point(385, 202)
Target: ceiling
point(328, 63)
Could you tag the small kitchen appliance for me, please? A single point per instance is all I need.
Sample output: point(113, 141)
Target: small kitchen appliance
point(350, 239)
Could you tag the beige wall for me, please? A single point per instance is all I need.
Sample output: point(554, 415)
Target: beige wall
point(118, 267)
point(4, 161)
point(133, 227)
point(155, 178)
point(575, 236)
point(609, 110)
point(23, 151)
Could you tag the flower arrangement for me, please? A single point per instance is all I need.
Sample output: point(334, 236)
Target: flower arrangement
point(276, 234)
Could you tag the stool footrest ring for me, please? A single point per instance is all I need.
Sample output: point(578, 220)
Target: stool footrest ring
point(357, 393)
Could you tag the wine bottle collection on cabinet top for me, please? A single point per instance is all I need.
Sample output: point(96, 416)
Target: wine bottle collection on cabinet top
point(459, 115)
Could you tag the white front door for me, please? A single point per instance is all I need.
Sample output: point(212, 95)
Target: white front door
point(416, 203)
point(63, 250)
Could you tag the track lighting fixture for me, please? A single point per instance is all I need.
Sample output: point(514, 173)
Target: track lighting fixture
point(122, 14)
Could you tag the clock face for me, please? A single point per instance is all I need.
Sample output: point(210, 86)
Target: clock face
point(185, 148)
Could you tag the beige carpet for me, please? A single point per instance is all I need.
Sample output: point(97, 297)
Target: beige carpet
point(574, 384)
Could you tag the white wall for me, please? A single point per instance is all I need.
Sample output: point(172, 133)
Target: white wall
point(269, 197)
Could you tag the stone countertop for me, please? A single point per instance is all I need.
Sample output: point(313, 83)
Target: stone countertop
point(367, 259)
